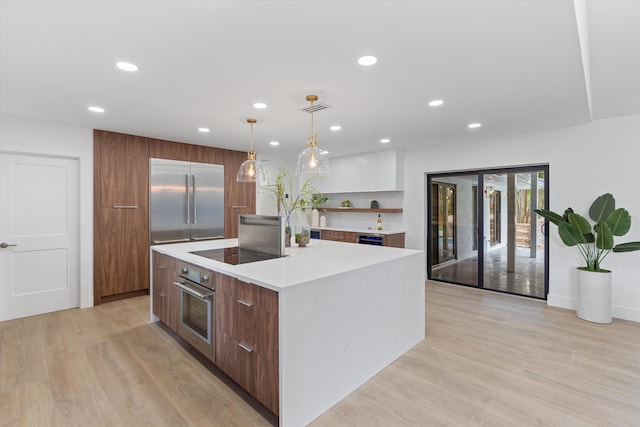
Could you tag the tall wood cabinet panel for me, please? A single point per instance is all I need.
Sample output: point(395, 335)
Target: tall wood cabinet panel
point(239, 197)
point(121, 216)
point(123, 169)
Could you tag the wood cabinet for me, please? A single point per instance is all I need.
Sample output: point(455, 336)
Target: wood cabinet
point(339, 236)
point(123, 266)
point(122, 164)
point(247, 338)
point(394, 240)
point(161, 149)
point(121, 205)
point(239, 197)
point(121, 216)
point(165, 294)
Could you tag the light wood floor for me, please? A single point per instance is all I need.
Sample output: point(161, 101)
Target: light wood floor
point(488, 359)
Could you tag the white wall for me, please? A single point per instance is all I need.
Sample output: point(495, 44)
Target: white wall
point(585, 161)
point(29, 136)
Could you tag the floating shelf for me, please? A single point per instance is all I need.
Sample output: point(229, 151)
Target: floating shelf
point(362, 210)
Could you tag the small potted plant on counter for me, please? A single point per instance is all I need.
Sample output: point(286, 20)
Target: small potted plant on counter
point(594, 244)
point(302, 239)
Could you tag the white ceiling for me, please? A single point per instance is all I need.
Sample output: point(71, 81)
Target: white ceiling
point(512, 65)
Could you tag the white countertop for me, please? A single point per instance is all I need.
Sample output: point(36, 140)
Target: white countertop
point(319, 260)
point(359, 230)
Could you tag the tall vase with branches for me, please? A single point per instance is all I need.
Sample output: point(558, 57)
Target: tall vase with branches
point(282, 193)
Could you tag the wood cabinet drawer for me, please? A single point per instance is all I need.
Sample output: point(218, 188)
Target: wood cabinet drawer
point(165, 293)
point(247, 337)
point(339, 236)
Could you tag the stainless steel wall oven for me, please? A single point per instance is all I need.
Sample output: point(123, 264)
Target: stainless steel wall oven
point(197, 305)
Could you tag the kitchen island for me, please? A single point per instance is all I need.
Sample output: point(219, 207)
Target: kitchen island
point(345, 312)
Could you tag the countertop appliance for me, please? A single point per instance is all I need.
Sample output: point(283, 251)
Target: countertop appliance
point(186, 201)
point(196, 315)
point(235, 255)
point(260, 237)
point(371, 239)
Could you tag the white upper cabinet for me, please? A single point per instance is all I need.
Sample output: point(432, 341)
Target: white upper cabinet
point(382, 171)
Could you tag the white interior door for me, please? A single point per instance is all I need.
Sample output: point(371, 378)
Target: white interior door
point(39, 245)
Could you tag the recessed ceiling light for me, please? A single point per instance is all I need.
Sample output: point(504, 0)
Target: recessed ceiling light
point(260, 105)
point(203, 130)
point(335, 127)
point(325, 152)
point(274, 143)
point(474, 125)
point(96, 109)
point(385, 141)
point(127, 66)
point(367, 60)
point(436, 103)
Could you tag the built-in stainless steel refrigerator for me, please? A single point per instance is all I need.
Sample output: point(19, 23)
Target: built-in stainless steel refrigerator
point(186, 201)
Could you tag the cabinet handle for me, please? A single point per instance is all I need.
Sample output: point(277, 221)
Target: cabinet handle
point(162, 295)
point(195, 199)
point(124, 207)
point(245, 303)
point(188, 201)
point(246, 348)
point(162, 266)
point(159, 242)
point(238, 207)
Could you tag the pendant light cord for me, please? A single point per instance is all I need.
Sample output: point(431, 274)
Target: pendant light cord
point(312, 117)
point(251, 136)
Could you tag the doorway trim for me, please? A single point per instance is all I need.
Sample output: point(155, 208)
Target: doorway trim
point(45, 139)
point(480, 196)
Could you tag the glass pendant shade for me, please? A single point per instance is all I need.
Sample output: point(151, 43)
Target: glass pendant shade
point(250, 170)
point(312, 161)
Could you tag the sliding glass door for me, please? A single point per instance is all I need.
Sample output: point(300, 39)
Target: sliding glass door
point(454, 228)
point(482, 229)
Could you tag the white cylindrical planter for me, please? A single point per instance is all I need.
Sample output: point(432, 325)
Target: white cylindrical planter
point(594, 296)
point(315, 218)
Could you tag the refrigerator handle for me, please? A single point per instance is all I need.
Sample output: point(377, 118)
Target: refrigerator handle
point(195, 200)
point(188, 204)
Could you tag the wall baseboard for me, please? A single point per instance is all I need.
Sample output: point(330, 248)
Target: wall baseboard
point(618, 312)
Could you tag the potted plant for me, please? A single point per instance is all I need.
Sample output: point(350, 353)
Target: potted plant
point(302, 239)
point(594, 244)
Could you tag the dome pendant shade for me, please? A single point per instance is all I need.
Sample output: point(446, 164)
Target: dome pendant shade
point(312, 161)
point(250, 170)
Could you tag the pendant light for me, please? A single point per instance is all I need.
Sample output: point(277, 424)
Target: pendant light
point(312, 161)
point(249, 169)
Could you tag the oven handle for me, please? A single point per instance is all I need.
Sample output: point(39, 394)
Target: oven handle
point(188, 289)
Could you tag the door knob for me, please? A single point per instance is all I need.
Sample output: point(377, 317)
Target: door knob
point(6, 245)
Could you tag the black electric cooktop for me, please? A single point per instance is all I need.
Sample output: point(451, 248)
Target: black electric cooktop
point(235, 255)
